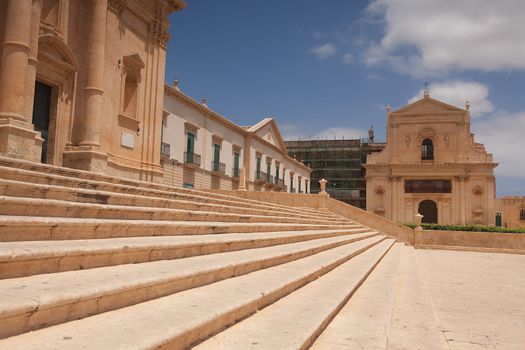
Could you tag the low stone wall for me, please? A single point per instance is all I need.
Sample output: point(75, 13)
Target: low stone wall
point(461, 240)
point(379, 223)
point(491, 241)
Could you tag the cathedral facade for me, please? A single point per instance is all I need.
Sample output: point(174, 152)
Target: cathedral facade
point(431, 165)
point(81, 83)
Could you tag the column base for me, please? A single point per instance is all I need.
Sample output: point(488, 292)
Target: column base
point(86, 158)
point(18, 139)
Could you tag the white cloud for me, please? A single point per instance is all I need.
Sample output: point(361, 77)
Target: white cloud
point(374, 76)
point(324, 51)
point(457, 92)
point(348, 58)
point(428, 36)
point(502, 135)
point(341, 132)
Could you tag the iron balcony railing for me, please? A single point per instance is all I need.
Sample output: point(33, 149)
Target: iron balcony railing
point(192, 158)
point(165, 149)
point(292, 190)
point(218, 167)
point(263, 177)
point(279, 182)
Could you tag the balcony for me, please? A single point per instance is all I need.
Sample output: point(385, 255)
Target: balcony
point(263, 178)
point(192, 159)
point(218, 168)
point(292, 190)
point(165, 150)
point(279, 183)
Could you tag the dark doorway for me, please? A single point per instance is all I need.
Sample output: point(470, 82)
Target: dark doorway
point(41, 110)
point(428, 209)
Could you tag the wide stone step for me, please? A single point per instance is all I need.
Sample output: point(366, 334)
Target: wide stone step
point(179, 320)
point(18, 259)
point(362, 324)
point(32, 228)
point(295, 321)
point(22, 206)
point(33, 302)
point(22, 189)
point(402, 315)
point(36, 173)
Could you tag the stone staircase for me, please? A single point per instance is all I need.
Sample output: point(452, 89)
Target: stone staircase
point(89, 261)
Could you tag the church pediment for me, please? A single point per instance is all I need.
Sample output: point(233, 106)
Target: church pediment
point(428, 105)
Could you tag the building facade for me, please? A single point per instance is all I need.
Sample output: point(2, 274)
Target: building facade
point(340, 162)
point(81, 83)
point(204, 150)
point(431, 165)
point(510, 211)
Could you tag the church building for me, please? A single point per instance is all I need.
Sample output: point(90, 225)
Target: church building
point(81, 83)
point(431, 165)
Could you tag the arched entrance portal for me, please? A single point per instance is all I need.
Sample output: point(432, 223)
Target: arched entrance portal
point(428, 209)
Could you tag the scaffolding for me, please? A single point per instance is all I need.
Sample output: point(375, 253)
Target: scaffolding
point(340, 162)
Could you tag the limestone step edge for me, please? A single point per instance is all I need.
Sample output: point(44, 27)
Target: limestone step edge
point(296, 320)
point(11, 188)
point(179, 320)
point(49, 207)
point(19, 259)
point(33, 302)
point(361, 324)
point(31, 228)
point(66, 175)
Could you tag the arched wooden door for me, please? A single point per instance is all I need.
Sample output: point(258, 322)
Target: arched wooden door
point(428, 209)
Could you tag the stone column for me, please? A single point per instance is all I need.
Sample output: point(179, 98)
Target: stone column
point(87, 154)
point(33, 59)
point(15, 58)
point(17, 136)
point(246, 159)
point(89, 131)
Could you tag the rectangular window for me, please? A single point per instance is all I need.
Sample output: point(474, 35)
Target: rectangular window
point(268, 167)
point(216, 156)
point(190, 146)
point(428, 186)
point(236, 160)
point(258, 170)
point(291, 183)
point(299, 185)
point(277, 172)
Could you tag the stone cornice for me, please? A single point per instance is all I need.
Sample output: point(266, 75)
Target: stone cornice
point(207, 112)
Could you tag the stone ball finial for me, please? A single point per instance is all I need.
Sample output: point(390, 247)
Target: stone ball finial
point(467, 105)
point(176, 84)
point(204, 101)
point(388, 108)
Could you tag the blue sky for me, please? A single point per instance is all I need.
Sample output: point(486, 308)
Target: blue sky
point(329, 68)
